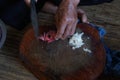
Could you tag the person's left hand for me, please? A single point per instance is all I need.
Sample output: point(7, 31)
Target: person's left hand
point(66, 19)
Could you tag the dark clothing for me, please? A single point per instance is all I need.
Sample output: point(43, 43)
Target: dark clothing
point(17, 14)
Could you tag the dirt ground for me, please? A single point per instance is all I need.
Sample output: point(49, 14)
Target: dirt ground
point(107, 15)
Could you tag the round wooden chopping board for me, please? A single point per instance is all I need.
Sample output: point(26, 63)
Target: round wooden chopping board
point(88, 72)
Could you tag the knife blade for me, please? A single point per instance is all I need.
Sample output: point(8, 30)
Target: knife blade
point(34, 18)
point(3, 33)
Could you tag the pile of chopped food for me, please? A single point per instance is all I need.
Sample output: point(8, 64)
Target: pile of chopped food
point(76, 40)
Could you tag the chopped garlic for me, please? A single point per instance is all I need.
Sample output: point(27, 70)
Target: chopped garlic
point(76, 40)
point(87, 50)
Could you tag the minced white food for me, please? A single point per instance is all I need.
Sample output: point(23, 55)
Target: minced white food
point(76, 40)
point(87, 50)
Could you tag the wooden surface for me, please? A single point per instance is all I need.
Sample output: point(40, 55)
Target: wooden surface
point(107, 15)
point(91, 70)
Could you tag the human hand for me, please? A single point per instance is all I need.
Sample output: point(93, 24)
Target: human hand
point(66, 18)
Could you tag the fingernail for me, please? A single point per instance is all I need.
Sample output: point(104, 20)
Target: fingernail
point(71, 34)
point(56, 39)
point(87, 22)
point(63, 38)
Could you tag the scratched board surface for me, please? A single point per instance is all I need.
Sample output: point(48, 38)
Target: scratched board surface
point(107, 15)
point(53, 55)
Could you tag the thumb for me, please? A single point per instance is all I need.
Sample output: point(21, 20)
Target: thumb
point(82, 15)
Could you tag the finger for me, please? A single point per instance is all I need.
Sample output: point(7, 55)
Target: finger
point(73, 28)
point(84, 19)
point(80, 12)
point(60, 31)
point(82, 15)
point(67, 31)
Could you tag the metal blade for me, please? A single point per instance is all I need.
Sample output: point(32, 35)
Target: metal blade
point(34, 18)
point(3, 32)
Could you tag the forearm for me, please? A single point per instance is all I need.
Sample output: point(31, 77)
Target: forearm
point(49, 7)
point(68, 5)
point(74, 2)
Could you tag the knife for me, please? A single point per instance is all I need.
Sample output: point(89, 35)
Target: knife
point(3, 33)
point(34, 18)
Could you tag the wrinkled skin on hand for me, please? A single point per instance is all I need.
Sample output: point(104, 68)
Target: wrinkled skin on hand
point(66, 19)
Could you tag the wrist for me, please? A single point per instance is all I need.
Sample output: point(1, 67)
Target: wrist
point(74, 2)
